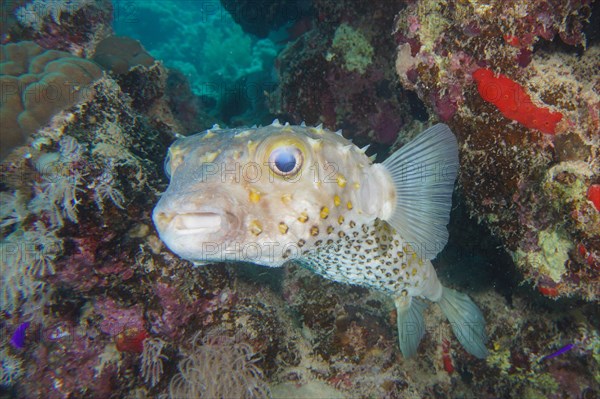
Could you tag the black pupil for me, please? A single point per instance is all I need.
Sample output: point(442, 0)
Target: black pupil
point(285, 161)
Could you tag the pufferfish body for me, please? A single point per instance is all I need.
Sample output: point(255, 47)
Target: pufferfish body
point(282, 193)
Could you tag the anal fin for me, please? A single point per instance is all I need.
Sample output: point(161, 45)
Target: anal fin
point(411, 326)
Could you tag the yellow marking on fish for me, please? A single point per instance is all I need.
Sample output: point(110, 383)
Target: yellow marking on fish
point(336, 200)
point(255, 227)
point(254, 196)
point(315, 144)
point(283, 228)
point(349, 205)
point(330, 229)
point(324, 212)
point(286, 198)
point(356, 185)
point(245, 133)
point(341, 220)
point(303, 217)
point(252, 147)
point(208, 157)
point(341, 180)
point(413, 271)
point(314, 231)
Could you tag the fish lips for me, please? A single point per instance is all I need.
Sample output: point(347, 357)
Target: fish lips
point(192, 232)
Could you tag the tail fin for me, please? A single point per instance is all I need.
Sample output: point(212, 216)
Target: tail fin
point(466, 320)
point(411, 326)
point(423, 172)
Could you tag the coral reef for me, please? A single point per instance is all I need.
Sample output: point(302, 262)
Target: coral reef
point(112, 313)
point(526, 180)
point(36, 84)
point(261, 17)
point(339, 74)
point(119, 54)
point(69, 25)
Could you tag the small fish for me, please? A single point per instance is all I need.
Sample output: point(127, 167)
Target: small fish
point(17, 340)
point(281, 193)
point(559, 352)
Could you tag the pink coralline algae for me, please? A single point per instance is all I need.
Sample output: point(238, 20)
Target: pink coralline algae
point(117, 319)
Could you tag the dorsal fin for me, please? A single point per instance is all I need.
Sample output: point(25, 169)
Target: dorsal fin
point(423, 173)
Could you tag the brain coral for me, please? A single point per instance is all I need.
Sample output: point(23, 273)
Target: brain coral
point(35, 85)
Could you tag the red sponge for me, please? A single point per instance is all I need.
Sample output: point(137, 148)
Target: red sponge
point(514, 103)
point(593, 194)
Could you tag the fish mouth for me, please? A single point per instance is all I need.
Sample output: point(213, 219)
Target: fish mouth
point(213, 224)
point(197, 223)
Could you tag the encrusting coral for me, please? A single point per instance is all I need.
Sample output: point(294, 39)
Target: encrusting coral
point(119, 54)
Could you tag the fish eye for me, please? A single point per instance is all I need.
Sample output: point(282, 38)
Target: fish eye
point(285, 161)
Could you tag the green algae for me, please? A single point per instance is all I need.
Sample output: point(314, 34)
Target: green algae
point(550, 260)
point(354, 47)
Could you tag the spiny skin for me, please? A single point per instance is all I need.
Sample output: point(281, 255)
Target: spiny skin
point(328, 217)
